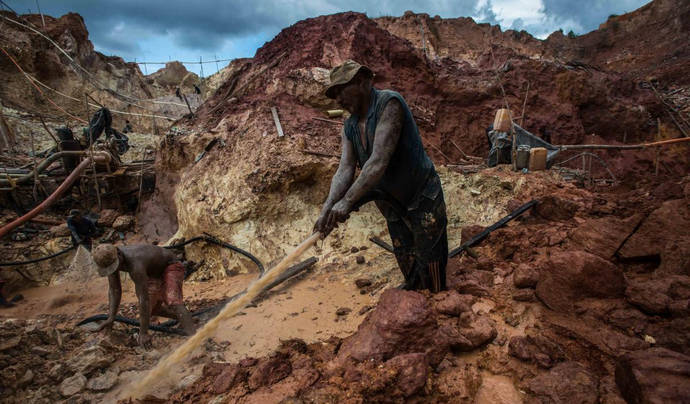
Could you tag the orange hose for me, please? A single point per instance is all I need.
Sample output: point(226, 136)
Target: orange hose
point(54, 196)
point(39, 89)
point(663, 142)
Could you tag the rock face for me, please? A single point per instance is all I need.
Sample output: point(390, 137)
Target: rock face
point(411, 372)
point(90, 360)
point(571, 276)
point(569, 382)
point(525, 276)
point(556, 208)
point(269, 371)
point(402, 322)
point(667, 295)
point(102, 382)
point(604, 236)
point(452, 303)
point(72, 385)
point(536, 349)
point(665, 225)
point(675, 258)
point(654, 375)
point(107, 217)
point(447, 99)
point(124, 223)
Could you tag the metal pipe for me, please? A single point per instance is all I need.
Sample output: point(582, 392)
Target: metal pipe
point(46, 163)
point(101, 157)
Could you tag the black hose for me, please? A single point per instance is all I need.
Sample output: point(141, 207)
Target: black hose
point(129, 321)
point(481, 236)
point(213, 240)
point(32, 261)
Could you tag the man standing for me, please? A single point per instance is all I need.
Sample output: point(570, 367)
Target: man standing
point(381, 137)
point(157, 276)
point(81, 227)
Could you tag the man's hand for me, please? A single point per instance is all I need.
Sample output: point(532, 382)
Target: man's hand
point(338, 214)
point(106, 325)
point(144, 340)
point(320, 225)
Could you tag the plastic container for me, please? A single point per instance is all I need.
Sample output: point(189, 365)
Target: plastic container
point(537, 158)
point(502, 122)
point(522, 158)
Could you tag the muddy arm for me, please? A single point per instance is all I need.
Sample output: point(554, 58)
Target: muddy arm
point(114, 297)
point(340, 183)
point(385, 141)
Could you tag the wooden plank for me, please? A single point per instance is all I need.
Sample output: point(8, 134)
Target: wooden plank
point(274, 111)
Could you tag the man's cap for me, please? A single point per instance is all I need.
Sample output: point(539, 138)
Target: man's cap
point(105, 258)
point(343, 74)
point(74, 212)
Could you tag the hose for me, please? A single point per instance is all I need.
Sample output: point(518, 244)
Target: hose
point(66, 184)
point(213, 240)
point(42, 166)
point(32, 261)
point(129, 321)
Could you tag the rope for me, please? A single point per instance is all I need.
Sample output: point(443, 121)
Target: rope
point(99, 106)
point(190, 63)
point(39, 89)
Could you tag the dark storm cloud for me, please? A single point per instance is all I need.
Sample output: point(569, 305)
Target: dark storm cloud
point(116, 26)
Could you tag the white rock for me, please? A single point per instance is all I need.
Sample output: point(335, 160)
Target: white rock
point(103, 382)
point(72, 385)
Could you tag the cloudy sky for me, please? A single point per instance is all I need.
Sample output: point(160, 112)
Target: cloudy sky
point(162, 30)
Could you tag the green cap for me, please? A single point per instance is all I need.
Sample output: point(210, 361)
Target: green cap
point(343, 74)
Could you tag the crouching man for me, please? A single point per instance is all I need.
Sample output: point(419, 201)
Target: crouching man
point(157, 276)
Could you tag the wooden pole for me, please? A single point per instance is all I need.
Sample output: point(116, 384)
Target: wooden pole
point(33, 156)
point(274, 112)
point(6, 132)
point(658, 149)
point(43, 20)
point(49, 132)
point(187, 102)
point(524, 104)
point(93, 160)
point(141, 179)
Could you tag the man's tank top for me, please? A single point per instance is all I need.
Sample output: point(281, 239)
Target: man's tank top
point(409, 167)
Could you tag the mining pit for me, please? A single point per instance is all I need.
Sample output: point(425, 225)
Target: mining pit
point(582, 297)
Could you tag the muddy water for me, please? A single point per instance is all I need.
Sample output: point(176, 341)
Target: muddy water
point(163, 368)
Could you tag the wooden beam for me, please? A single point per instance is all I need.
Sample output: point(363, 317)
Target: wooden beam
point(274, 111)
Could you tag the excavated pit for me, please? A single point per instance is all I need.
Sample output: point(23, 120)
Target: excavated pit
point(584, 298)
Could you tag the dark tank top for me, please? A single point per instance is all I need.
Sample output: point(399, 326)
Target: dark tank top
point(409, 167)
